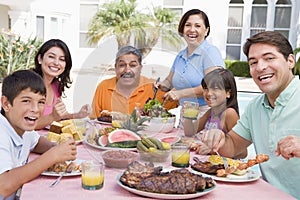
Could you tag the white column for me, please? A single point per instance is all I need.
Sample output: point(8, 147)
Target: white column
point(246, 26)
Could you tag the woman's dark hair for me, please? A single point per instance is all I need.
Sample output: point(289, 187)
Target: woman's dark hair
point(185, 17)
point(20, 80)
point(272, 38)
point(223, 79)
point(63, 79)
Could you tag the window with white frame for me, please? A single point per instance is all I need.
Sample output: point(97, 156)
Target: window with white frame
point(258, 16)
point(265, 15)
point(51, 26)
point(234, 31)
point(282, 20)
point(40, 24)
point(54, 27)
point(87, 11)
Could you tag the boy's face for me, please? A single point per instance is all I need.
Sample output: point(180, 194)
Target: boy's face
point(26, 109)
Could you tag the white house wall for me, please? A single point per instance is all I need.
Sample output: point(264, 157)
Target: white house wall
point(23, 19)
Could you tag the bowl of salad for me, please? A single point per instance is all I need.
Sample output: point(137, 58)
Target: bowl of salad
point(161, 121)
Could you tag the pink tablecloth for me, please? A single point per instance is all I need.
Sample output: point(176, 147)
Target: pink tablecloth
point(70, 187)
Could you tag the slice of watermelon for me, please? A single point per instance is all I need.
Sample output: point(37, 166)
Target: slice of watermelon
point(103, 140)
point(120, 135)
point(170, 139)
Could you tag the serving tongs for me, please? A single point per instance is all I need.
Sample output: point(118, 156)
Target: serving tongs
point(155, 89)
point(224, 160)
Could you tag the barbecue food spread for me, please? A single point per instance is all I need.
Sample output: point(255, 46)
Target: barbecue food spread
point(207, 167)
point(215, 165)
point(105, 116)
point(151, 179)
point(64, 167)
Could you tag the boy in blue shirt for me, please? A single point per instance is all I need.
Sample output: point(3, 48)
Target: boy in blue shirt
point(23, 100)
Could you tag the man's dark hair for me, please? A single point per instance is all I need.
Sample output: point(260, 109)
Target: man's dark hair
point(129, 50)
point(272, 38)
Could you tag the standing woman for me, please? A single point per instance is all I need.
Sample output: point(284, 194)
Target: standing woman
point(53, 62)
point(191, 64)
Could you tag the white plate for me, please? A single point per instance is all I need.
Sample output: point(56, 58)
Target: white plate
point(248, 177)
point(102, 122)
point(73, 173)
point(164, 196)
point(107, 148)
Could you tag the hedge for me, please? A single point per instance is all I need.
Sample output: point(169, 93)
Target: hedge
point(238, 68)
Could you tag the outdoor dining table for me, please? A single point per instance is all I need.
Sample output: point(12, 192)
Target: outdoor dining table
point(70, 187)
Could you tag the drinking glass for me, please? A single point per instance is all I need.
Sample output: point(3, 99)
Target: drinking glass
point(180, 155)
point(190, 109)
point(92, 177)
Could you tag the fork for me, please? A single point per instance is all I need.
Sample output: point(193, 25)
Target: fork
point(155, 89)
point(224, 160)
point(58, 179)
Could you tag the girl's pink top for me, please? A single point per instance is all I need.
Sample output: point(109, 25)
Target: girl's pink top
point(49, 108)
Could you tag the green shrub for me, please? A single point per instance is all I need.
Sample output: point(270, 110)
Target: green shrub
point(15, 53)
point(297, 65)
point(228, 63)
point(239, 68)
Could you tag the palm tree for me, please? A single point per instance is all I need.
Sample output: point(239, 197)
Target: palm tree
point(122, 20)
point(164, 25)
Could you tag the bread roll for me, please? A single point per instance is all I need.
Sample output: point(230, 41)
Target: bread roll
point(65, 137)
point(69, 129)
point(55, 127)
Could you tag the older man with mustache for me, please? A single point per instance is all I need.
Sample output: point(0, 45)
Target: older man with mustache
point(122, 92)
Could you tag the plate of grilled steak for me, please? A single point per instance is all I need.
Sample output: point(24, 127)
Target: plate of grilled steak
point(147, 180)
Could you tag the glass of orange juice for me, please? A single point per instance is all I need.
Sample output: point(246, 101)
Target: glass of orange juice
point(92, 177)
point(190, 109)
point(180, 155)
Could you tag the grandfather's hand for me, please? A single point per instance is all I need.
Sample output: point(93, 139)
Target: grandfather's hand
point(288, 147)
point(213, 139)
point(84, 112)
